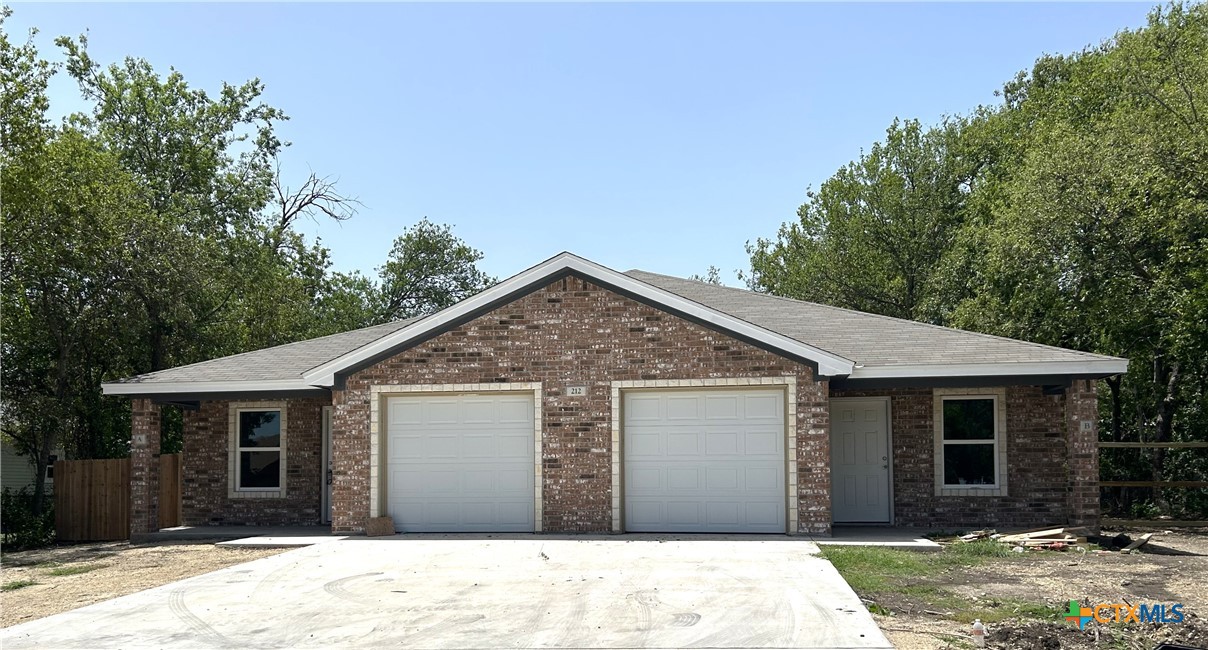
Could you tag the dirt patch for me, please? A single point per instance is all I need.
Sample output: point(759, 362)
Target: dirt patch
point(1173, 568)
point(68, 577)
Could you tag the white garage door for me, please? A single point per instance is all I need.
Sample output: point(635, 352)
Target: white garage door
point(460, 463)
point(705, 461)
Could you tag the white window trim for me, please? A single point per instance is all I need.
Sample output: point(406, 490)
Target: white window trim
point(999, 395)
point(788, 382)
point(233, 489)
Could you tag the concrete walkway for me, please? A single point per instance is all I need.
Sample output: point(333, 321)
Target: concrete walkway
point(480, 592)
point(907, 539)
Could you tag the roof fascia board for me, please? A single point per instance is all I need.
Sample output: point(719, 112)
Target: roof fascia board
point(1101, 367)
point(828, 363)
point(204, 387)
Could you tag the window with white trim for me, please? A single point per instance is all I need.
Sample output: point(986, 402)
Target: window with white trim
point(969, 438)
point(259, 449)
point(970, 441)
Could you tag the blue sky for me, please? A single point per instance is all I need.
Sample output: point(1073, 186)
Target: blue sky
point(653, 136)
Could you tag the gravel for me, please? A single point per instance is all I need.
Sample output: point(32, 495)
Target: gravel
point(73, 576)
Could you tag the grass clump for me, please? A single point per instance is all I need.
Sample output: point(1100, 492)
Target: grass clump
point(74, 570)
point(17, 584)
point(898, 574)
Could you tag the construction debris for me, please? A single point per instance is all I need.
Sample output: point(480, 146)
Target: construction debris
point(1055, 539)
point(1139, 542)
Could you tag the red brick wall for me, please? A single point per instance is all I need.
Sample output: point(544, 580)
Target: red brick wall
point(206, 466)
point(572, 332)
point(144, 467)
point(1038, 486)
point(1082, 405)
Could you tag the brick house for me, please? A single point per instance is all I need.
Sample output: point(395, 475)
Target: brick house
point(574, 398)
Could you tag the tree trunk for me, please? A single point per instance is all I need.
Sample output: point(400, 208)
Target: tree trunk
point(41, 459)
point(1119, 494)
point(1166, 376)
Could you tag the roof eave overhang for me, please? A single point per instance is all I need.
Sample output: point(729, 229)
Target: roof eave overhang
point(566, 263)
point(1104, 367)
point(159, 388)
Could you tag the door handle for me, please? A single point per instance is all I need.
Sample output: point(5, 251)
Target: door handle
point(329, 477)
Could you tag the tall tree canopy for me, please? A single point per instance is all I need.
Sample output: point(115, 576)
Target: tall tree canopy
point(156, 229)
point(1074, 213)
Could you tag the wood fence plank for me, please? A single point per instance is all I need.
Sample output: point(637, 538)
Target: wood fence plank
point(92, 500)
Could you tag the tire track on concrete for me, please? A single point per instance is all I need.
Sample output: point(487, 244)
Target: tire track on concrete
point(206, 632)
point(338, 589)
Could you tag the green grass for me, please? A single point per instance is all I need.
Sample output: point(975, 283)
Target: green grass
point(74, 570)
point(871, 571)
point(17, 584)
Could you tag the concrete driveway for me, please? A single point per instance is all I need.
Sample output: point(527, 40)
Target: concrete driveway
point(490, 592)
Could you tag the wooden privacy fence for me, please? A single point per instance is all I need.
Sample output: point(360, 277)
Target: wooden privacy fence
point(169, 490)
point(92, 498)
point(1154, 484)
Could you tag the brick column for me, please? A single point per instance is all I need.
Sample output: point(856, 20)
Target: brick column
point(144, 468)
point(1082, 448)
point(813, 457)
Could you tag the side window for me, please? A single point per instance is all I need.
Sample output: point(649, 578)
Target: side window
point(258, 465)
point(970, 442)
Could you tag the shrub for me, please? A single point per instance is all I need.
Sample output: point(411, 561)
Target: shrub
point(22, 528)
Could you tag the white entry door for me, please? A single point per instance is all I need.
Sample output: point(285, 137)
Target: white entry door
point(461, 463)
point(704, 461)
point(860, 461)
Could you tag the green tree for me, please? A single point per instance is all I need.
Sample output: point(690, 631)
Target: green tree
point(872, 235)
point(1100, 233)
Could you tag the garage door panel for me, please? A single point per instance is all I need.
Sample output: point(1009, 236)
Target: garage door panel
point(684, 478)
point(514, 447)
point(764, 407)
point(764, 443)
point(515, 411)
point(721, 407)
point(458, 466)
point(478, 411)
point(441, 412)
point(408, 413)
point(640, 408)
point(723, 478)
point(645, 513)
point(684, 513)
point(682, 443)
point(645, 480)
point(724, 514)
point(705, 461)
point(765, 514)
point(722, 443)
point(444, 446)
point(762, 479)
point(640, 444)
point(683, 408)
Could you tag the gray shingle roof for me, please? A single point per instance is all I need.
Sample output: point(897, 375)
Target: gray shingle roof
point(280, 362)
point(867, 339)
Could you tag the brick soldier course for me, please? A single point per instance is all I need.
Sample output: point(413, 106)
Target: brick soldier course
point(576, 329)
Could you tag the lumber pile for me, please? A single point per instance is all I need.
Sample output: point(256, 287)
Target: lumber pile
point(1056, 539)
point(1046, 537)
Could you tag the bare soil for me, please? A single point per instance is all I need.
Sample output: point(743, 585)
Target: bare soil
point(90, 573)
point(1172, 568)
